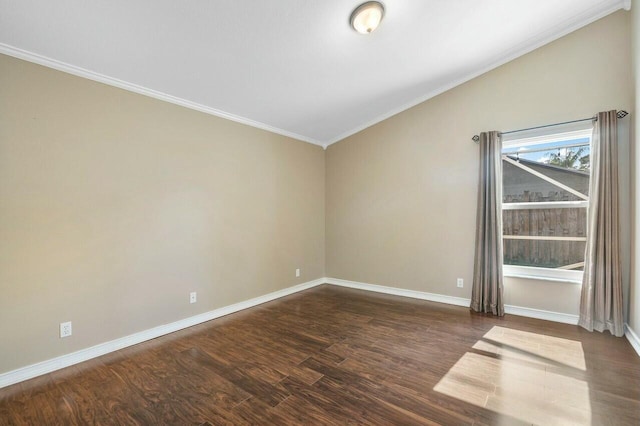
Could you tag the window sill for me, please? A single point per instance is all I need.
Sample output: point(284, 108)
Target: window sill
point(539, 278)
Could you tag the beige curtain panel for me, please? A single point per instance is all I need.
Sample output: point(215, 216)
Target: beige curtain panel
point(601, 299)
point(487, 291)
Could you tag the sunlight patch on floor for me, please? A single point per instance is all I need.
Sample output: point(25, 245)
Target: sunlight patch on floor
point(532, 347)
point(527, 376)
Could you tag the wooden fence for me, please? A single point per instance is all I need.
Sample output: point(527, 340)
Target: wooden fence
point(555, 222)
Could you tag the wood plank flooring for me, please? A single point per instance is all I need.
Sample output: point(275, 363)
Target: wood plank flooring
point(332, 355)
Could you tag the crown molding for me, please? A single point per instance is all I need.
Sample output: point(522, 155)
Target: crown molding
point(545, 37)
point(599, 11)
point(141, 90)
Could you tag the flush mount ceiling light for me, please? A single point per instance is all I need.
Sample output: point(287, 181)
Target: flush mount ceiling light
point(366, 17)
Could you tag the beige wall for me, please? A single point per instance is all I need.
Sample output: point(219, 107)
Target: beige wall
point(114, 206)
point(634, 299)
point(401, 195)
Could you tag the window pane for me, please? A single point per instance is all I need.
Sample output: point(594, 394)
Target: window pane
point(569, 222)
point(567, 163)
point(568, 154)
point(546, 171)
point(519, 186)
point(544, 254)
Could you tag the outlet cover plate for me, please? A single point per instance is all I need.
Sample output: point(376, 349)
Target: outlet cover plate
point(193, 297)
point(65, 329)
point(460, 282)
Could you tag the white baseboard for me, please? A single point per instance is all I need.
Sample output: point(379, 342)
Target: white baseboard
point(57, 363)
point(453, 300)
point(632, 337)
point(63, 361)
point(433, 297)
point(541, 314)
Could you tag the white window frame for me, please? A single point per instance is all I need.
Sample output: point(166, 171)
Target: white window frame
point(547, 274)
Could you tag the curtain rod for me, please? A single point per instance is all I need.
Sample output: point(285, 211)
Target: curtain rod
point(620, 114)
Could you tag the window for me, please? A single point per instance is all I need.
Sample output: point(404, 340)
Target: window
point(545, 199)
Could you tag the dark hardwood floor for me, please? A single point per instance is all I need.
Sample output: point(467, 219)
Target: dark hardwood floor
point(332, 355)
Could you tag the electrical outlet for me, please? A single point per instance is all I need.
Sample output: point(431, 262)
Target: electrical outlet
point(193, 297)
point(65, 329)
point(460, 282)
point(297, 272)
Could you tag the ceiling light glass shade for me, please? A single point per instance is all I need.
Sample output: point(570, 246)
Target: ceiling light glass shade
point(366, 18)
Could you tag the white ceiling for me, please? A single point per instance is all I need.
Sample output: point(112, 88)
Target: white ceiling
point(294, 67)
